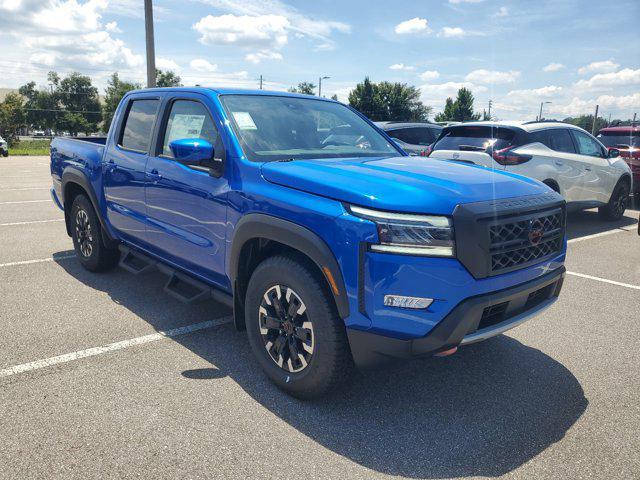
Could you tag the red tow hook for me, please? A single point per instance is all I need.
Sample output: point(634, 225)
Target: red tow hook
point(446, 353)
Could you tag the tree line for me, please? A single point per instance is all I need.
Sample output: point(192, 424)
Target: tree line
point(71, 104)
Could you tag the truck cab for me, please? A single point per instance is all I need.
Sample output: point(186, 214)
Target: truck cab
point(334, 247)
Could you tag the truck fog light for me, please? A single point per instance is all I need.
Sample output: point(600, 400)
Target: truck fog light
point(407, 302)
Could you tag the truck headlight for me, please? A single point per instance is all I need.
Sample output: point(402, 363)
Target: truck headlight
point(429, 235)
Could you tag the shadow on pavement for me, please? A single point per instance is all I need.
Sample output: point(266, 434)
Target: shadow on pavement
point(484, 411)
point(588, 222)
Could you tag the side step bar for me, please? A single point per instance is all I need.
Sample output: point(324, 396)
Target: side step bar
point(180, 286)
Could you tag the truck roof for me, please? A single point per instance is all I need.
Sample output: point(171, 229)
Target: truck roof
point(230, 91)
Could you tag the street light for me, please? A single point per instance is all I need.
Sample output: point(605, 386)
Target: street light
point(541, 104)
point(320, 84)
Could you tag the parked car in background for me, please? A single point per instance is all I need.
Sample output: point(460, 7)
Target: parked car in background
point(38, 133)
point(4, 147)
point(332, 245)
point(413, 138)
point(626, 139)
point(565, 157)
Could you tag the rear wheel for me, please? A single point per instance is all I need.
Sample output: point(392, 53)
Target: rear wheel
point(614, 210)
point(293, 329)
point(86, 232)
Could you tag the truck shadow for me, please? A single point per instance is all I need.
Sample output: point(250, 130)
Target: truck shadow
point(485, 411)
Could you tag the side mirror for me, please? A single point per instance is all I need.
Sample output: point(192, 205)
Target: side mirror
point(614, 153)
point(191, 151)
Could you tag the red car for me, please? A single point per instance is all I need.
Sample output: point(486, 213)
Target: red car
point(627, 140)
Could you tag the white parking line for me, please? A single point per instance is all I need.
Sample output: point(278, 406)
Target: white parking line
point(25, 201)
point(596, 235)
point(22, 189)
point(29, 223)
point(39, 260)
point(92, 352)
point(605, 280)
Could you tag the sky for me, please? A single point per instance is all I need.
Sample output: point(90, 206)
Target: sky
point(572, 53)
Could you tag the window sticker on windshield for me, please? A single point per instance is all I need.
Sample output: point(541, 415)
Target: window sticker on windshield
point(185, 126)
point(244, 121)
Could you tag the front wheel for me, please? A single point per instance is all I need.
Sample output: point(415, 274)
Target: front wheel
point(615, 208)
point(86, 232)
point(293, 329)
point(5, 154)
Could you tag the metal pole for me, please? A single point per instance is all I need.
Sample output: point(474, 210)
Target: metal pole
point(151, 49)
point(489, 110)
point(595, 118)
point(260, 82)
point(540, 116)
point(633, 124)
point(319, 86)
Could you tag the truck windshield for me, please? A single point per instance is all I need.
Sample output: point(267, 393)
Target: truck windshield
point(272, 128)
point(620, 140)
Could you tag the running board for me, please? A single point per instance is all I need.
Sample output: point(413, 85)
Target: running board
point(179, 285)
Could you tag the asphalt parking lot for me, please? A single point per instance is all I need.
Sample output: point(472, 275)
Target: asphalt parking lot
point(558, 397)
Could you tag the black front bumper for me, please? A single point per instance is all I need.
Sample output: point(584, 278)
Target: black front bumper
point(474, 319)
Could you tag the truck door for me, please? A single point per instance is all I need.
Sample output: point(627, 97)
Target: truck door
point(187, 206)
point(124, 168)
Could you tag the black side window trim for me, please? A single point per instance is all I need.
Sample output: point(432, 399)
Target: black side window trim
point(123, 124)
point(166, 113)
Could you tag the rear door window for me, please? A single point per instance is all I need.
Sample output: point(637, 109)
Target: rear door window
point(414, 135)
point(587, 145)
point(138, 126)
point(561, 141)
point(476, 138)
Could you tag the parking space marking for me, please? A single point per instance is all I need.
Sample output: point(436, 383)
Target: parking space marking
point(22, 189)
point(39, 260)
point(25, 201)
point(92, 352)
point(605, 280)
point(596, 235)
point(29, 223)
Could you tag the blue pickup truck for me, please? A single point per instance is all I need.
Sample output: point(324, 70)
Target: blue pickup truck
point(333, 247)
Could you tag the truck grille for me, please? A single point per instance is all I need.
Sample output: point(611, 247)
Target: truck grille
point(503, 235)
point(523, 241)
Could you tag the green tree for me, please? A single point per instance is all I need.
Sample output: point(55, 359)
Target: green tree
point(80, 104)
point(586, 122)
point(389, 101)
point(460, 110)
point(12, 117)
point(304, 87)
point(116, 89)
point(40, 105)
point(334, 97)
point(167, 79)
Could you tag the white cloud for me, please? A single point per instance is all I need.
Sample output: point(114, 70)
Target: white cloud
point(458, 2)
point(167, 64)
point(492, 76)
point(553, 67)
point(502, 12)
point(605, 66)
point(452, 32)
point(112, 27)
point(523, 96)
point(429, 75)
point(401, 66)
point(415, 25)
point(315, 28)
point(202, 65)
point(244, 30)
point(436, 94)
point(262, 55)
point(626, 76)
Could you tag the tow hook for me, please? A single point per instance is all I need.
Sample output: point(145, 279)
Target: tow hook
point(446, 353)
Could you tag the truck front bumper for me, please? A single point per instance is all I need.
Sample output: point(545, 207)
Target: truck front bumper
point(474, 319)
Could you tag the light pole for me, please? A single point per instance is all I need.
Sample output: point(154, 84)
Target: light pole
point(320, 84)
point(540, 116)
point(151, 49)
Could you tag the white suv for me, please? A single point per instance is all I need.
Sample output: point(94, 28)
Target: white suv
point(4, 149)
point(563, 156)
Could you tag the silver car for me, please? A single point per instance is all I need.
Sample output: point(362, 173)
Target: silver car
point(413, 137)
point(4, 148)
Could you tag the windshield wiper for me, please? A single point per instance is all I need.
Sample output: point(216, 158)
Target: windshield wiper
point(471, 148)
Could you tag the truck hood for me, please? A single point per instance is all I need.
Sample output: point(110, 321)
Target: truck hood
point(401, 184)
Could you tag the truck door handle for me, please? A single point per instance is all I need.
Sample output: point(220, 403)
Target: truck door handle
point(154, 175)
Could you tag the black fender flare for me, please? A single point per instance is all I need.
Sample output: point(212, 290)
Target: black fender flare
point(72, 175)
point(257, 225)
